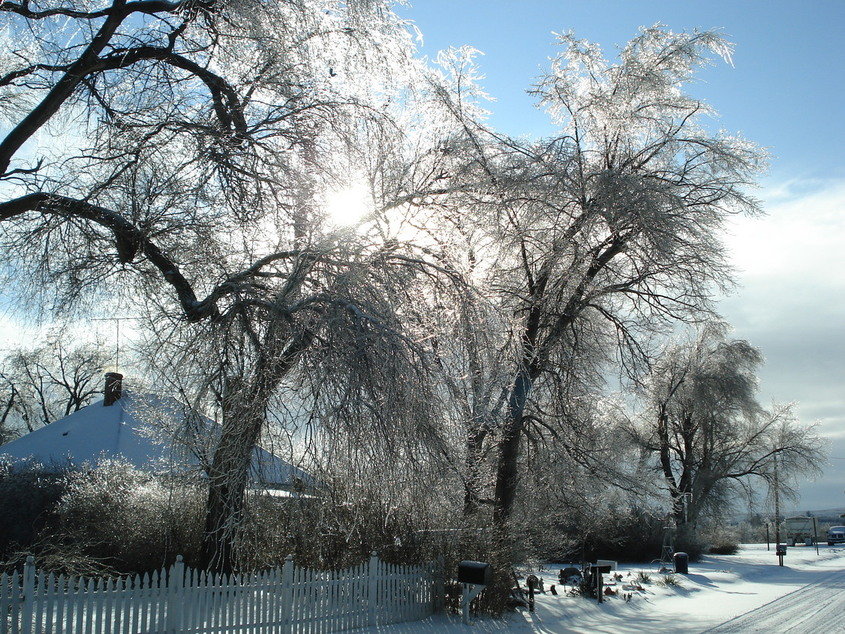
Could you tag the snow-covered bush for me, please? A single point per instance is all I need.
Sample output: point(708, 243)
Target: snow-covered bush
point(116, 518)
point(129, 519)
point(724, 548)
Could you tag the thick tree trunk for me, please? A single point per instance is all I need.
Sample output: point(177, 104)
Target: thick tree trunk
point(244, 410)
point(678, 511)
point(472, 465)
point(507, 472)
point(228, 479)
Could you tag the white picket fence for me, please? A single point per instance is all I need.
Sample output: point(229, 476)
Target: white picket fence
point(179, 599)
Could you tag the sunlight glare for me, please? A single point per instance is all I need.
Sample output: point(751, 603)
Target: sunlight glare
point(349, 205)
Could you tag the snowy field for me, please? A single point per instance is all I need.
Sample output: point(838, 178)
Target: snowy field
point(718, 589)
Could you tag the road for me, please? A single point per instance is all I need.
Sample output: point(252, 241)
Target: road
point(817, 607)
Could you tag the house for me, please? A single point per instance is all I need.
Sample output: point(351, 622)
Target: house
point(150, 432)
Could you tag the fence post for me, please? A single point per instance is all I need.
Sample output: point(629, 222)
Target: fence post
point(175, 590)
point(28, 595)
point(372, 589)
point(287, 595)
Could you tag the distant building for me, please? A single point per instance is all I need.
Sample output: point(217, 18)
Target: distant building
point(150, 432)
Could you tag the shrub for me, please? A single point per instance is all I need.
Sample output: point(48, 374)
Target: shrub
point(64, 558)
point(328, 532)
point(127, 519)
point(114, 518)
point(721, 540)
point(723, 549)
point(628, 535)
point(26, 500)
point(691, 544)
point(586, 588)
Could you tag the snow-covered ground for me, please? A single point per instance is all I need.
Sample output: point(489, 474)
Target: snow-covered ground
point(717, 589)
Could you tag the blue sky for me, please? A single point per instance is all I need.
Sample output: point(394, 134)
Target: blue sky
point(786, 92)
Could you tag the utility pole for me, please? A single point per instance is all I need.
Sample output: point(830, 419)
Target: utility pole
point(777, 504)
point(777, 514)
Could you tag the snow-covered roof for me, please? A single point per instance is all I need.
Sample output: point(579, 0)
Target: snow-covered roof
point(149, 432)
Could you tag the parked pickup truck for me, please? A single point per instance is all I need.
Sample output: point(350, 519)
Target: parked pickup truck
point(836, 535)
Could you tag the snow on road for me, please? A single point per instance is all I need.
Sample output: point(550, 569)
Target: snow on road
point(817, 607)
point(746, 592)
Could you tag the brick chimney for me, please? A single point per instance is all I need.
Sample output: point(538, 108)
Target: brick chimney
point(114, 383)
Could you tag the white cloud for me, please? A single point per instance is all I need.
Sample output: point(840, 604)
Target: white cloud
point(16, 331)
point(800, 239)
point(791, 303)
point(791, 263)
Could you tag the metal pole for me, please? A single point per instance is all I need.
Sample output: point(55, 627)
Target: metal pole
point(777, 504)
point(816, 533)
point(767, 536)
point(470, 591)
point(117, 345)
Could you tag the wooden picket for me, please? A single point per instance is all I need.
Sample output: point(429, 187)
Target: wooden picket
point(178, 599)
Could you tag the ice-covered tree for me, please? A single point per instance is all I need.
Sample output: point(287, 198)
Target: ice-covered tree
point(181, 156)
point(607, 230)
point(709, 436)
point(46, 382)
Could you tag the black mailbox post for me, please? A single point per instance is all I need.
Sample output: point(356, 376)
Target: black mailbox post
point(475, 572)
point(780, 551)
point(593, 577)
point(474, 575)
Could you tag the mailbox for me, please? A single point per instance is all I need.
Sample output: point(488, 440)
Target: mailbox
point(475, 572)
point(781, 550)
point(681, 563)
point(607, 562)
